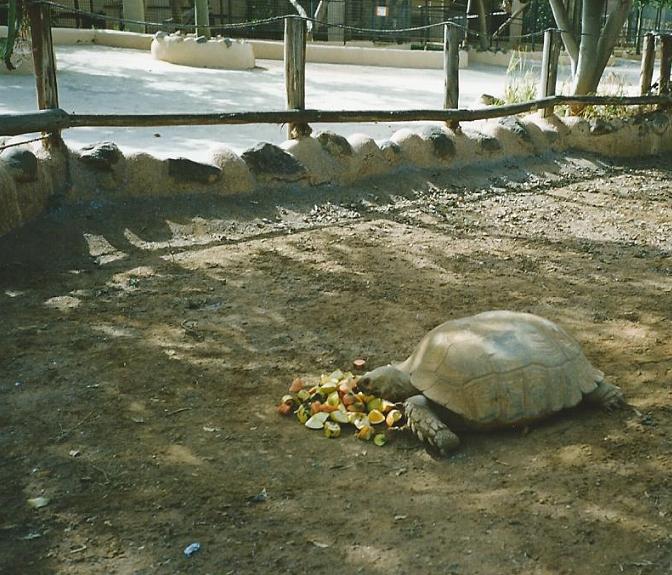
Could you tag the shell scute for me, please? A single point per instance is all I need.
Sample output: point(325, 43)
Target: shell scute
point(501, 368)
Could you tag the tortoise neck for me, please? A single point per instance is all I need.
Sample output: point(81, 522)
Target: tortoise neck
point(404, 379)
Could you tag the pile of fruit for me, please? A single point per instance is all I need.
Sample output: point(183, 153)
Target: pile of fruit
point(335, 402)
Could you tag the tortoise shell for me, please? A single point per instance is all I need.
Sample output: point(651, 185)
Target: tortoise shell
point(501, 367)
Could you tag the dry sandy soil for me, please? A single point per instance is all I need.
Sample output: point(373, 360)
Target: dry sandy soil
point(143, 348)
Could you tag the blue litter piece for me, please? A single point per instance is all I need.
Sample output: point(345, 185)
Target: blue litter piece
point(192, 548)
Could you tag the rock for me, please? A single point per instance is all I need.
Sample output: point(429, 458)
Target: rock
point(413, 148)
point(272, 162)
point(22, 164)
point(322, 166)
point(335, 144)
point(487, 100)
point(516, 127)
point(391, 151)
point(577, 126)
point(658, 122)
point(367, 157)
point(10, 214)
point(146, 176)
point(600, 127)
point(390, 147)
point(442, 145)
point(489, 144)
point(102, 156)
point(236, 176)
point(184, 170)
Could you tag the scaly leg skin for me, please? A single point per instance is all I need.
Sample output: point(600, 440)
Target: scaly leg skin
point(607, 395)
point(427, 426)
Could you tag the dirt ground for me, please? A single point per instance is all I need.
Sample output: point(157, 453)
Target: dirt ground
point(143, 348)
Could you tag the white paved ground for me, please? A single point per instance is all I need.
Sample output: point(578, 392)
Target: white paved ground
point(97, 79)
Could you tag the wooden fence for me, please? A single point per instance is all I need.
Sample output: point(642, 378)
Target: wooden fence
point(51, 119)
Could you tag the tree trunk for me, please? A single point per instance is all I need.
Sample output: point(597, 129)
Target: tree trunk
point(563, 20)
point(483, 32)
point(597, 43)
point(590, 55)
point(586, 78)
point(611, 32)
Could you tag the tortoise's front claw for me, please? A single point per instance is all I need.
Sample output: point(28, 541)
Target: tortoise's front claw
point(446, 441)
point(427, 426)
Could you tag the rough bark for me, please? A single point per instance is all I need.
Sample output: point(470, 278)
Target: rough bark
point(564, 23)
point(590, 54)
point(611, 32)
point(483, 32)
point(585, 81)
point(515, 14)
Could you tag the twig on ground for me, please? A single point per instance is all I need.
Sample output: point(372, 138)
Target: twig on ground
point(170, 413)
point(67, 432)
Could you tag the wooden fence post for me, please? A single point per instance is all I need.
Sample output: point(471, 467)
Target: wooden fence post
point(202, 17)
point(665, 64)
point(549, 66)
point(295, 72)
point(451, 67)
point(44, 62)
point(648, 59)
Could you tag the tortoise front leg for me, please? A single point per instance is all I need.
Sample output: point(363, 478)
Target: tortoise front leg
point(427, 426)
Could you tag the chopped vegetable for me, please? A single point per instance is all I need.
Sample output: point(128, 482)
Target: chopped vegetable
point(317, 421)
point(334, 402)
point(331, 429)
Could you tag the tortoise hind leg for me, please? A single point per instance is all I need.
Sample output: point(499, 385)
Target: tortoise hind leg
point(606, 395)
point(427, 425)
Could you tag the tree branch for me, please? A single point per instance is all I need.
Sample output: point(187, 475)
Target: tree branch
point(510, 19)
point(611, 31)
point(586, 77)
point(483, 36)
point(301, 12)
point(563, 22)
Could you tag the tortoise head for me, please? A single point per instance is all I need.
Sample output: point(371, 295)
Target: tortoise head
point(387, 382)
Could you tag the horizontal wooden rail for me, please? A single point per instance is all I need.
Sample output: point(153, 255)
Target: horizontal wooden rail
point(57, 119)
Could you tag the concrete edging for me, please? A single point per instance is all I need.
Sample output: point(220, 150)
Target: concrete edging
point(30, 177)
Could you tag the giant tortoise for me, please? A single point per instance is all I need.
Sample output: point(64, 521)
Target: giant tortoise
point(492, 370)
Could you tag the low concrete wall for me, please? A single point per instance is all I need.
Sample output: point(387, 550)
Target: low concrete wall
point(114, 38)
point(359, 55)
point(503, 58)
point(490, 58)
point(189, 50)
point(117, 39)
point(30, 177)
point(72, 36)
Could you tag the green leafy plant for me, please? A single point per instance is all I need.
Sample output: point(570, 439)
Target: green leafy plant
point(521, 83)
point(612, 85)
